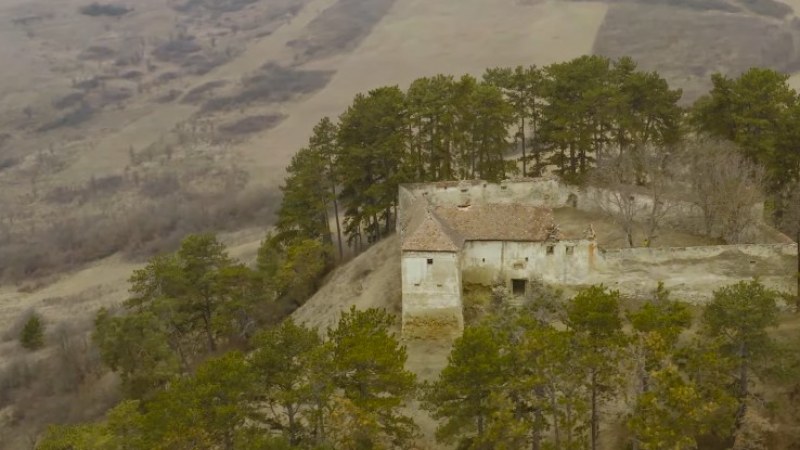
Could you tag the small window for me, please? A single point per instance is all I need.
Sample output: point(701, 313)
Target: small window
point(464, 190)
point(551, 250)
point(526, 259)
point(518, 286)
point(430, 261)
point(570, 250)
point(483, 259)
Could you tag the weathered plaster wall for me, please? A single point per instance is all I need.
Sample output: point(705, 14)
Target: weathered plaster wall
point(693, 273)
point(569, 263)
point(551, 192)
point(537, 192)
point(431, 293)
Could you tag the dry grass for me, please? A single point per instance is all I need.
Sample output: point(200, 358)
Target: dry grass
point(63, 383)
point(686, 46)
point(272, 83)
point(339, 28)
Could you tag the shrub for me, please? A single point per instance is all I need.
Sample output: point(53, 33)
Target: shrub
point(97, 53)
point(251, 124)
point(176, 50)
point(69, 100)
point(272, 83)
point(170, 96)
point(32, 335)
point(198, 93)
point(97, 9)
point(71, 119)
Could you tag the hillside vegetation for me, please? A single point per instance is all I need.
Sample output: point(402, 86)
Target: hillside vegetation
point(205, 358)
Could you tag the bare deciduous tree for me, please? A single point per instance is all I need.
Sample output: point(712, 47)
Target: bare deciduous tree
point(790, 224)
point(636, 190)
point(726, 187)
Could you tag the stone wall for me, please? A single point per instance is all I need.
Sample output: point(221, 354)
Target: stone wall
point(552, 193)
point(431, 283)
point(563, 262)
point(693, 273)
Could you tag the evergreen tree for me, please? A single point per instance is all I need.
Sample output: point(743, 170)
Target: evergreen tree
point(368, 367)
point(476, 370)
point(594, 315)
point(205, 411)
point(523, 87)
point(740, 315)
point(432, 112)
point(372, 139)
point(32, 335)
point(137, 347)
point(760, 112)
point(303, 213)
point(283, 362)
point(324, 142)
point(577, 117)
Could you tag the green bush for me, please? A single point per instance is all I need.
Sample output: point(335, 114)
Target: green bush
point(32, 335)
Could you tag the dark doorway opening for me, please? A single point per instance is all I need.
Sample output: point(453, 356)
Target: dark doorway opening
point(518, 286)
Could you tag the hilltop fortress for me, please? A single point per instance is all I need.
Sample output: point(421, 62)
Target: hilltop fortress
point(456, 234)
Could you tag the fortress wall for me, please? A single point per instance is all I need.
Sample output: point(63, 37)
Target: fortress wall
point(566, 262)
point(552, 193)
point(693, 273)
point(664, 254)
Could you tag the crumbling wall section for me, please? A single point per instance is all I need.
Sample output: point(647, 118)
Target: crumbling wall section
point(693, 273)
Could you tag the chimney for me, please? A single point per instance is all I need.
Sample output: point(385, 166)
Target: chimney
point(464, 199)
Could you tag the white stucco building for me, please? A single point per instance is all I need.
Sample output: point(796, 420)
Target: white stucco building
point(454, 234)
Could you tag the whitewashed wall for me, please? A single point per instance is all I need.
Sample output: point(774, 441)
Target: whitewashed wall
point(431, 292)
point(483, 261)
point(552, 193)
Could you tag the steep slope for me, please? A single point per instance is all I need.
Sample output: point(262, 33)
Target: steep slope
point(371, 280)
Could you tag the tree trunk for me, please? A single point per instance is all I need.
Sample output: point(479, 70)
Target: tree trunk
point(569, 425)
point(290, 415)
point(556, 431)
point(595, 418)
point(212, 344)
point(336, 208)
point(524, 155)
point(743, 385)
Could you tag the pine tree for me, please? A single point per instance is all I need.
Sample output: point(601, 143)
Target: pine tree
point(324, 142)
point(461, 396)
point(594, 315)
point(372, 137)
point(282, 362)
point(32, 335)
point(303, 213)
point(368, 367)
point(740, 315)
point(760, 112)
